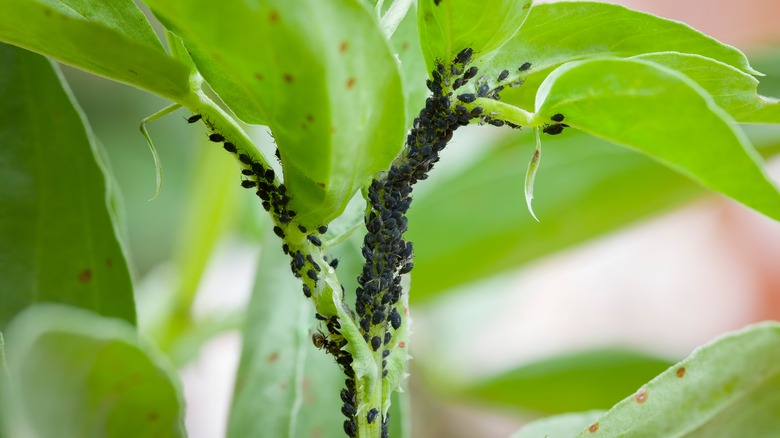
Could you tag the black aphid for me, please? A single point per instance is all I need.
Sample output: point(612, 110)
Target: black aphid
point(244, 158)
point(279, 232)
point(247, 172)
point(346, 396)
point(318, 316)
point(554, 129)
point(299, 260)
point(388, 337)
point(378, 317)
point(194, 118)
point(525, 66)
point(455, 70)
point(464, 56)
point(470, 73)
point(334, 263)
point(386, 353)
point(407, 268)
point(311, 274)
point(269, 175)
point(376, 342)
point(371, 415)
point(348, 410)
point(503, 75)
point(302, 228)
point(314, 240)
point(322, 229)
point(306, 291)
point(350, 428)
point(557, 118)
point(467, 98)
point(319, 340)
point(230, 147)
point(395, 319)
point(483, 89)
point(248, 184)
point(216, 138)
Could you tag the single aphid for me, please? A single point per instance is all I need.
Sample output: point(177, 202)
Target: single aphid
point(248, 184)
point(314, 240)
point(525, 66)
point(503, 75)
point(230, 147)
point(216, 138)
point(194, 118)
point(371, 415)
point(322, 229)
point(557, 118)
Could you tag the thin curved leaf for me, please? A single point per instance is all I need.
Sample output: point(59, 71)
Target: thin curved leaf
point(73, 373)
point(449, 26)
point(594, 379)
point(556, 33)
point(110, 39)
point(663, 114)
point(57, 236)
point(733, 90)
point(320, 74)
point(726, 388)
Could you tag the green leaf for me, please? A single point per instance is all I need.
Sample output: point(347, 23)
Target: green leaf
point(449, 26)
point(107, 38)
point(733, 90)
point(73, 373)
point(558, 426)
point(556, 33)
point(320, 74)
point(663, 114)
point(594, 379)
point(585, 188)
point(727, 388)
point(60, 242)
point(284, 386)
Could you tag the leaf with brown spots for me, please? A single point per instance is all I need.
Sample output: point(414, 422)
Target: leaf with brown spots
point(60, 243)
point(733, 392)
point(324, 58)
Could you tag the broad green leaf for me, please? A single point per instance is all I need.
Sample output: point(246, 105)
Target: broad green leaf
point(727, 388)
point(284, 386)
point(73, 373)
point(320, 74)
point(558, 426)
point(57, 236)
point(663, 114)
point(556, 33)
point(733, 90)
point(110, 39)
point(585, 188)
point(594, 379)
point(449, 26)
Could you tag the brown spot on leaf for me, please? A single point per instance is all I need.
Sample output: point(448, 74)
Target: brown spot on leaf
point(153, 416)
point(109, 263)
point(322, 185)
point(273, 16)
point(640, 396)
point(401, 344)
point(593, 427)
point(405, 45)
point(259, 76)
point(343, 47)
point(310, 118)
point(316, 433)
point(273, 357)
point(85, 276)
point(282, 386)
point(288, 78)
point(680, 372)
point(350, 83)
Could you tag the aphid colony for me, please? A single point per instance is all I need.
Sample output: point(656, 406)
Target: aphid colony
point(387, 255)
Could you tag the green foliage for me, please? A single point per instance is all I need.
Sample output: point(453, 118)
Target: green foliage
point(319, 74)
point(449, 26)
point(627, 101)
point(595, 379)
point(73, 373)
point(59, 244)
point(338, 84)
point(726, 388)
point(109, 38)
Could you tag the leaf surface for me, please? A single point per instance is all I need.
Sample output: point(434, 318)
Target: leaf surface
point(57, 233)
